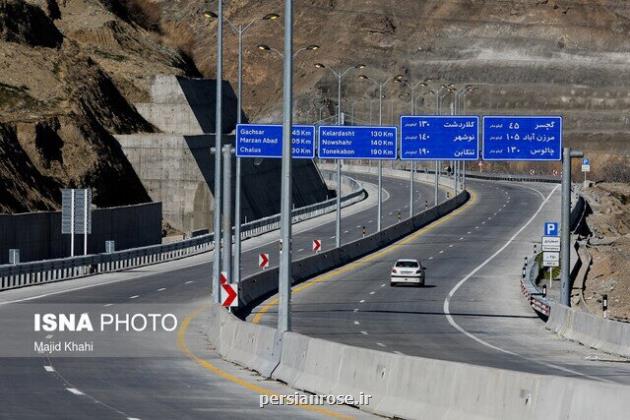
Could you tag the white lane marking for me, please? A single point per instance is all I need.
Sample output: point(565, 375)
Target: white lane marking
point(489, 218)
point(355, 310)
point(381, 345)
point(483, 223)
point(442, 252)
point(161, 289)
point(49, 336)
point(468, 233)
point(132, 418)
point(332, 237)
point(49, 368)
point(364, 332)
point(461, 238)
point(372, 293)
point(356, 322)
point(75, 391)
point(430, 258)
point(362, 301)
point(383, 285)
point(108, 305)
point(346, 231)
point(358, 226)
point(189, 281)
point(301, 250)
point(459, 328)
point(450, 246)
point(370, 221)
point(134, 297)
point(476, 227)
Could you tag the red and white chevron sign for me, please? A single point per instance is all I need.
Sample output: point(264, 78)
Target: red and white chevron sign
point(317, 245)
point(229, 292)
point(263, 260)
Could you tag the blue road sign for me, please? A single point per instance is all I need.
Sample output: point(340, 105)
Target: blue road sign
point(586, 161)
point(353, 142)
point(551, 229)
point(522, 138)
point(265, 141)
point(439, 138)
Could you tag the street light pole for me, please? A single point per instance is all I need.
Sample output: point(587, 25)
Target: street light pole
point(380, 85)
point(565, 228)
point(413, 162)
point(339, 75)
point(218, 134)
point(284, 285)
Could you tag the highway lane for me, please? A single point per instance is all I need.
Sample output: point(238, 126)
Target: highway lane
point(169, 386)
point(355, 304)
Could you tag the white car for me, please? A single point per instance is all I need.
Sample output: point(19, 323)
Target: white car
point(407, 271)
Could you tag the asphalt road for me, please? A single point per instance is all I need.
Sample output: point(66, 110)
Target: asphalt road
point(471, 309)
point(176, 376)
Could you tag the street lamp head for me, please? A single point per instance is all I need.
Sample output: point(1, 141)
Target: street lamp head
point(210, 15)
point(271, 16)
point(263, 47)
point(313, 47)
point(320, 65)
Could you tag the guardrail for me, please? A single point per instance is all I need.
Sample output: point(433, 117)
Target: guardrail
point(38, 272)
point(536, 298)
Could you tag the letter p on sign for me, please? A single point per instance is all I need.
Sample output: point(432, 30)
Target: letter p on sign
point(551, 229)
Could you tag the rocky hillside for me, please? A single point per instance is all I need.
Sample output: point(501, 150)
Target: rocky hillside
point(567, 57)
point(69, 70)
point(68, 73)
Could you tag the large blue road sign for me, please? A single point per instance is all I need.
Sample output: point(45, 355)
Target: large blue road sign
point(353, 142)
point(522, 138)
point(265, 141)
point(439, 138)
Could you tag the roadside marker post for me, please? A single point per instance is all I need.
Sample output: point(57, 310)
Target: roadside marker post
point(317, 245)
point(263, 261)
point(229, 292)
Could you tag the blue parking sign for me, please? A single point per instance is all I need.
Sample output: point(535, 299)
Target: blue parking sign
point(551, 229)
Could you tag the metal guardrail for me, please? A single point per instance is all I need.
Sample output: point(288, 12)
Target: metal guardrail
point(47, 271)
point(531, 270)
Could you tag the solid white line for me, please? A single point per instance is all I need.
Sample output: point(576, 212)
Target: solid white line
point(134, 296)
point(49, 368)
point(455, 325)
point(161, 289)
point(75, 391)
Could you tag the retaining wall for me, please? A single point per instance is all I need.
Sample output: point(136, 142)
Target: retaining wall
point(38, 235)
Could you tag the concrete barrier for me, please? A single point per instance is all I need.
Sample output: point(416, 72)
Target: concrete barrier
point(254, 289)
point(411, 387)
point(591, 330)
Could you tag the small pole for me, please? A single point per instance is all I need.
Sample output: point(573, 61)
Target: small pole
point(72, 223)
point(605, 305)
point(85, 221)
point(544, 291)
point(550, 277)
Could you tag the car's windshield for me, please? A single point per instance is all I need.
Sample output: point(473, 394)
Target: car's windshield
point(407, 264)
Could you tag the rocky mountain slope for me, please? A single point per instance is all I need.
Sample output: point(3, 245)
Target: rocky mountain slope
point(69, 70)
point(68, 73)
point(567, 57)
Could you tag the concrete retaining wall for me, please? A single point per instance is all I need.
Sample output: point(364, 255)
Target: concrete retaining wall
point(38, 235)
